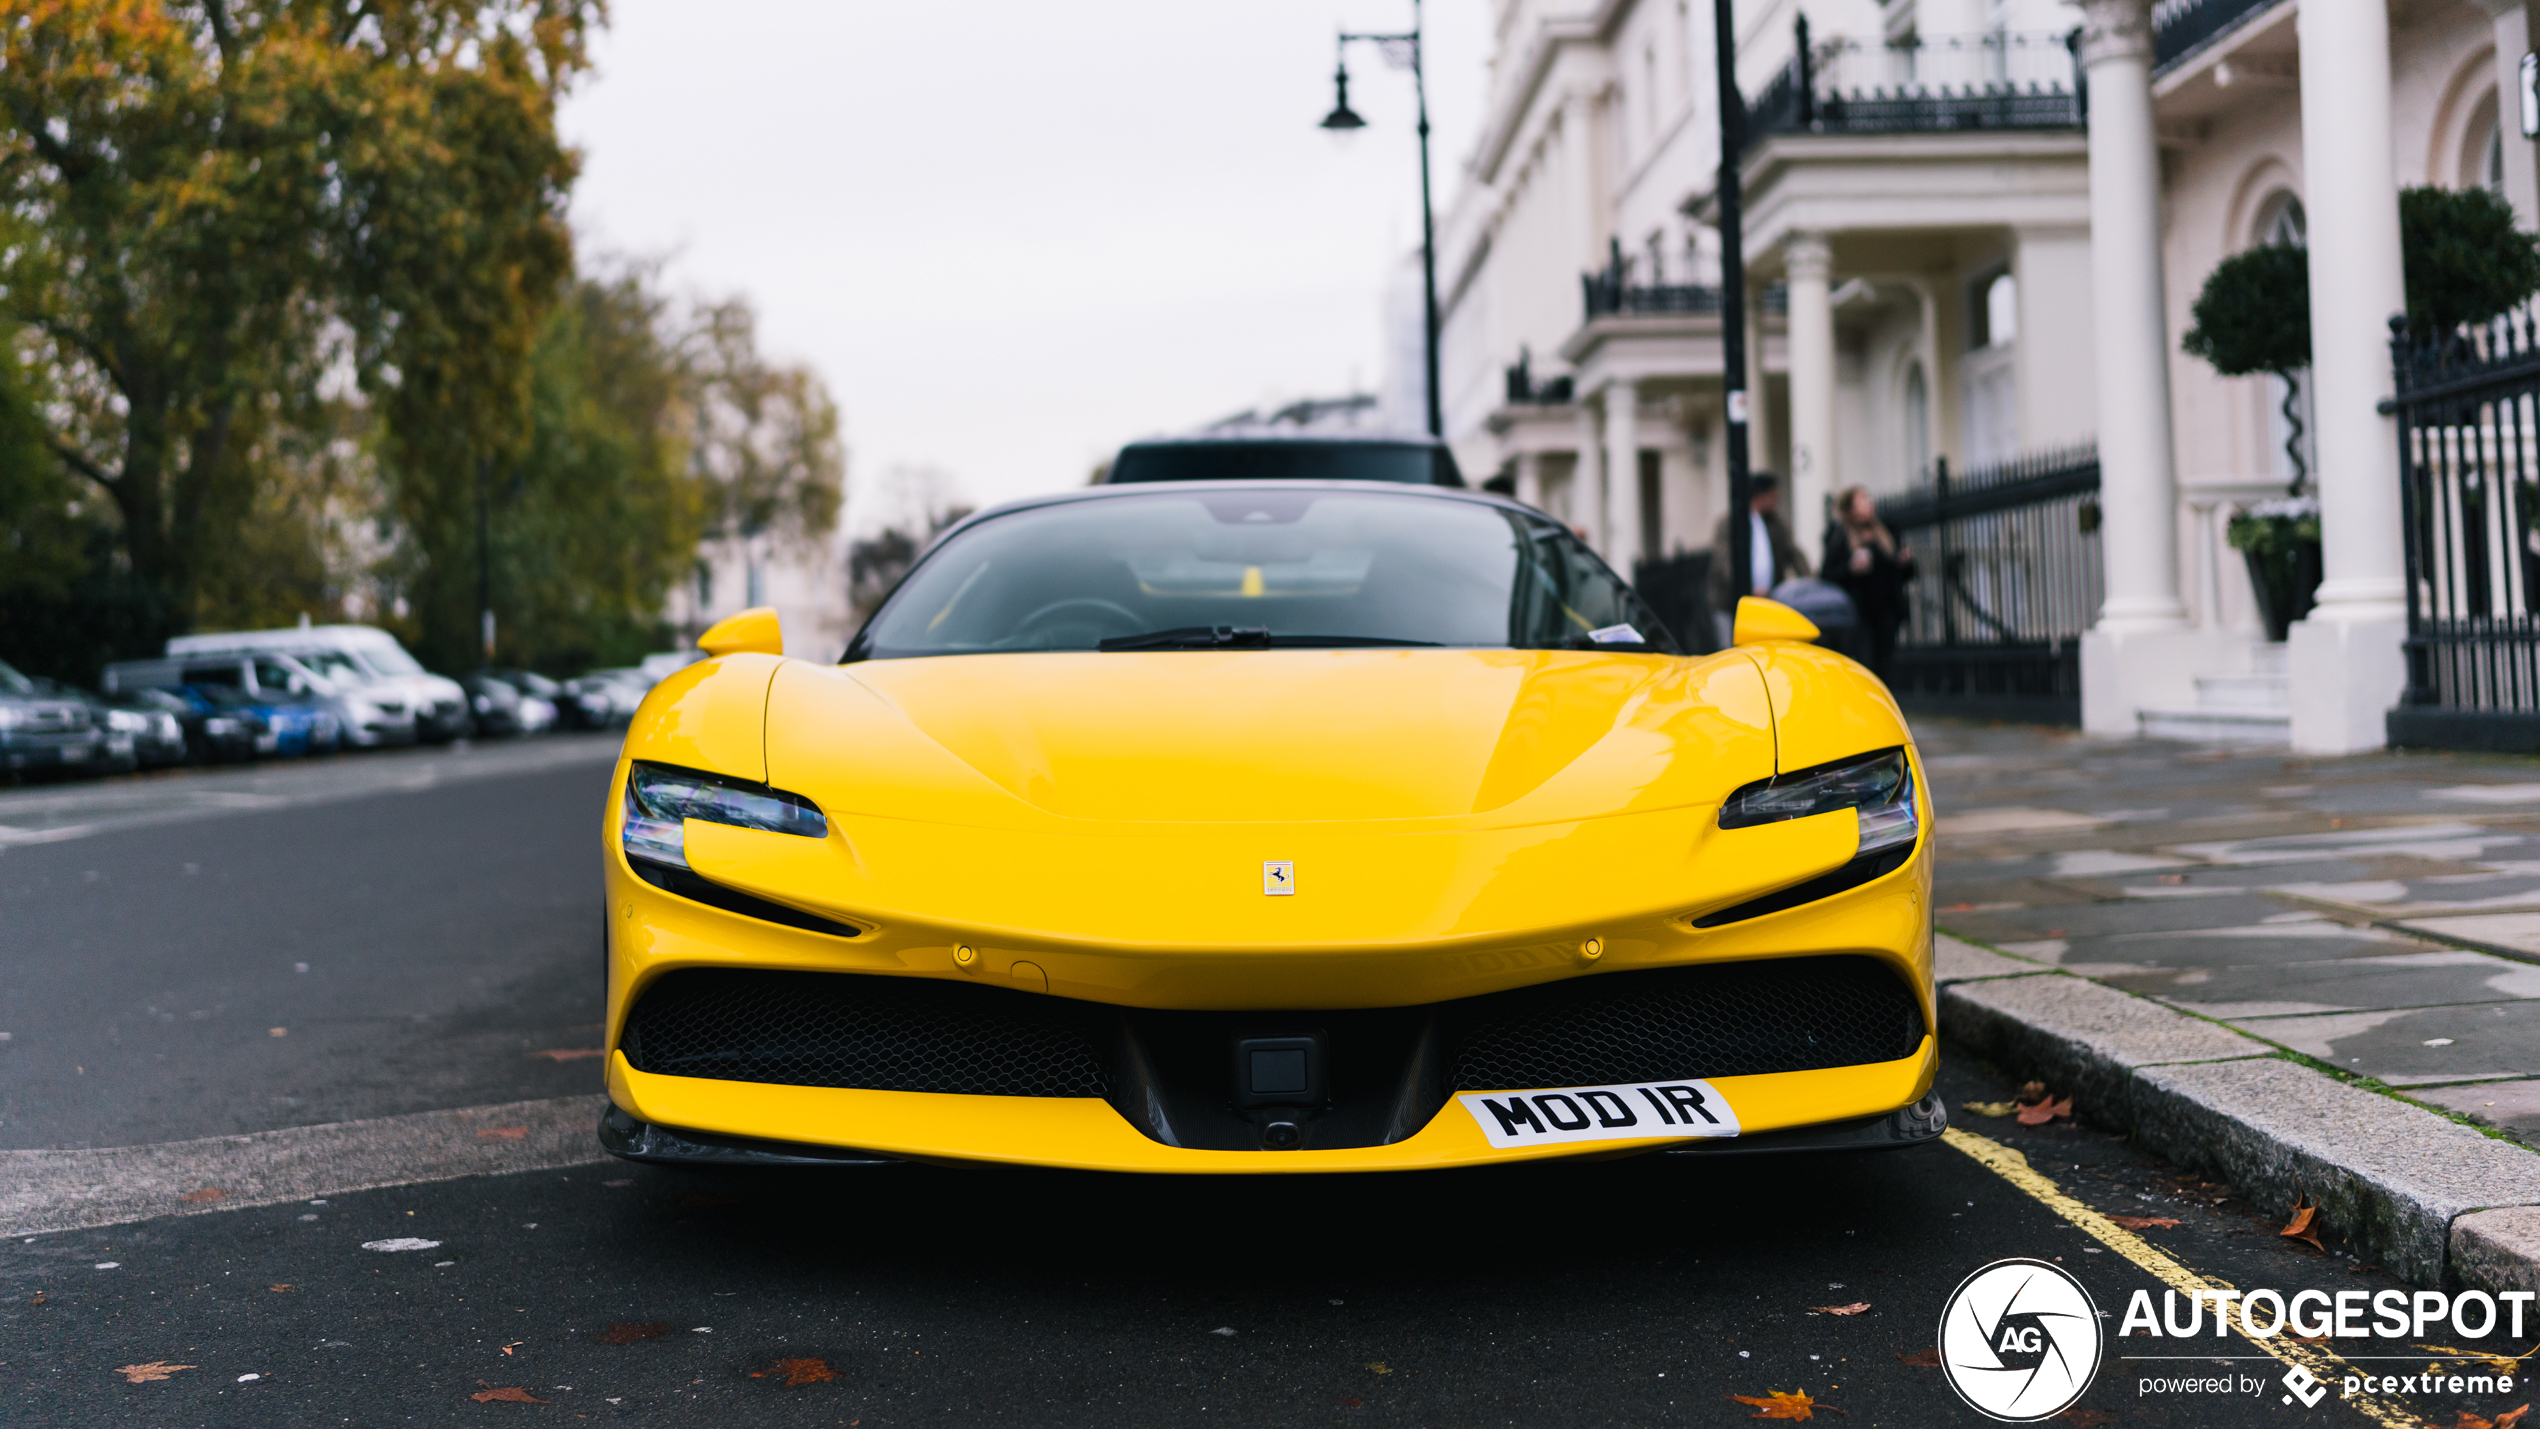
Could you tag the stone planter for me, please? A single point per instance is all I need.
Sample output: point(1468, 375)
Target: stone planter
point(2286, 579)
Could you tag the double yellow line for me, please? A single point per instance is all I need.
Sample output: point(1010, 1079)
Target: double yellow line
point(2013, 1167)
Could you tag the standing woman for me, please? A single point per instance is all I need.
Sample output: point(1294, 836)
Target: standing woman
point(1864, 558)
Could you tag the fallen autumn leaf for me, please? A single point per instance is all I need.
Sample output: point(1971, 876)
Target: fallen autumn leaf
point(205, 1196)
point(502, 1133)
point(2300, 1227)
point(628, 1333)
point(508, 1394)
point(1994, 1109)
point(797, 1372)
point(1920, 1359)
point(2043, 1112)
point(155, 1369)
point(2144, 1223)
point(1777, 1405)
point(1855, 1308)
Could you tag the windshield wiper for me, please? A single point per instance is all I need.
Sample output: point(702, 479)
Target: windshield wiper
point(1193, 637)
point(1242, 637)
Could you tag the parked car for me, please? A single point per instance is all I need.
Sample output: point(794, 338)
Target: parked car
point(585, 703)
point(355, 712)
point(44, 734)
point(439, 706)
point(622, 688)
point(293, 729)
point(138, 736)
point(493, 704)
point(215, 733)
point(542, 701)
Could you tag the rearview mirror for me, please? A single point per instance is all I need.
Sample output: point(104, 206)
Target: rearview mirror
point(752, 632)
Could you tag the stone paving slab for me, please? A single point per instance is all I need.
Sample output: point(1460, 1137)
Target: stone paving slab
point(2417, 1046)
point(2508, 1106)
point(1956, 960)
point(2414, 979)
point(2516, 932)
point(2388, 1176)
point(2033, 922)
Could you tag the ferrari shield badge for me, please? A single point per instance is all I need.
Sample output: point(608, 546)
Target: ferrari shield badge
point(1278, 876)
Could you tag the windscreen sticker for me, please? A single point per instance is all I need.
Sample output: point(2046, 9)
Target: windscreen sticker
point(1632, 1111)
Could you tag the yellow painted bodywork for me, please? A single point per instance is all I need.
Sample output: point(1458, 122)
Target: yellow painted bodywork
point(1094, 827)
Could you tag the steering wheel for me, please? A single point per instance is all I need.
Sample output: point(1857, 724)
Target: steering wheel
point(1057, 610)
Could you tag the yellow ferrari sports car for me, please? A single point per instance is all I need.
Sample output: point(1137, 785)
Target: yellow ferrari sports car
point(1266, 827)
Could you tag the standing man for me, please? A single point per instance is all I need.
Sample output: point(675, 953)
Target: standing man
point(1776, 555)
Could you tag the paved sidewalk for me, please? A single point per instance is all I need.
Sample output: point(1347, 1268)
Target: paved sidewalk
point(2379, 912)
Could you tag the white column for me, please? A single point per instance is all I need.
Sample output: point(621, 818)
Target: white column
point(1812, 460)
point(2345, 659)
point(1587, 482)
point(1622, 475)
point(1530, 479)
point(2513, 40)
point(2138, 486)
point(2143, 654)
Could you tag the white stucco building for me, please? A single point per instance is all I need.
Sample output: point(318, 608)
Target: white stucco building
point(1973, 231)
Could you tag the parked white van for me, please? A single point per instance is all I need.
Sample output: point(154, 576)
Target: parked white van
point(340, 652)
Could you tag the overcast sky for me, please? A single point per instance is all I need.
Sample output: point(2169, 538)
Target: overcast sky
point(1010, 235)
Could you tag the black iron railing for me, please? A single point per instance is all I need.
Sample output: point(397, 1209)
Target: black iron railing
point(2007, 577)
point(2182, 27)
point(1612, 293)
point(1936, 84)
point(2468, 409)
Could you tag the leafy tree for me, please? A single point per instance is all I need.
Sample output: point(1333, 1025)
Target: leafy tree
point(2254, 313)
point(601, 511)
point(2465, 260)
point(766, 434)
point(226, 202)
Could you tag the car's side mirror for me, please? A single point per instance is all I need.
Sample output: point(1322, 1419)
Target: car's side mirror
point(1760, 620)
point(752, 632)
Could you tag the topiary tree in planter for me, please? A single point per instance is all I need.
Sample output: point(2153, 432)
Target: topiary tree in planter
point(2254, 315)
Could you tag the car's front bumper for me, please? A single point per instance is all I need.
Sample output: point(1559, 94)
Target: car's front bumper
point(81, 749)
point(694, 1119)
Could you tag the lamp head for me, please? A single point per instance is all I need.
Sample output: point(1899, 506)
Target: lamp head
point(1343, 120)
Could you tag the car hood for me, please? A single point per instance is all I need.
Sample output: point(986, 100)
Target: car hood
point(1470, 738)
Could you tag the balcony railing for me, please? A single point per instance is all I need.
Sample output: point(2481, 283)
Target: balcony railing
point(1933, 84)
point(1613, 294)
point(2182, 27)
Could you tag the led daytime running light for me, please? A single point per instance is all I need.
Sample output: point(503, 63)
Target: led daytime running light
point(660, 800)
point(1879, 786)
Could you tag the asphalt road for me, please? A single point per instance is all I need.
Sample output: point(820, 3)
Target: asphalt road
point(450, 936)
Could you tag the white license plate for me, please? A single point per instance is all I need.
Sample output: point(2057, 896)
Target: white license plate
point(1632, 1111)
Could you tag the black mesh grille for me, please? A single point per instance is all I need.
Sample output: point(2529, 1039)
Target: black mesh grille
point(891, 1034)
point(1781, 1015)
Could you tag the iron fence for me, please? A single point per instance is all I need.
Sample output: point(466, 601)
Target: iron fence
point(2007, 577)
point(2468, 409)
point(2182, 27)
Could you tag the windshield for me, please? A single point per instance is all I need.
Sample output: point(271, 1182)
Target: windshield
point(1260, 567)
point(1407, 463)
point(390, 659)
point(334, 665)
point(13, 683)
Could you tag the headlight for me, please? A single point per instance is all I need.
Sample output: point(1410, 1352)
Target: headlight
point(11, 716)
point(659, 799)
point(1880, 785)
point(127, 721)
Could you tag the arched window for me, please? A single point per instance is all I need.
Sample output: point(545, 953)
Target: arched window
point(2281, 221)
point(1917, 421)
point(2482, 158)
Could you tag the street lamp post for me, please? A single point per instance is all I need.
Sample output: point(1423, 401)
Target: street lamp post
point(1741, 552)
point(1404, 52)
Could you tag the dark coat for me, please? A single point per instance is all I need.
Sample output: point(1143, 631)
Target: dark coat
point(1879, 592)
point(1787, 562)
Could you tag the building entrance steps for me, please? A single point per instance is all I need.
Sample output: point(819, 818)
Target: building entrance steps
point(2253, 706)
point(2311, 976)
